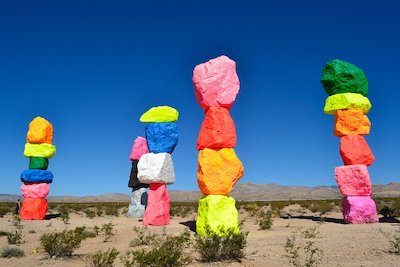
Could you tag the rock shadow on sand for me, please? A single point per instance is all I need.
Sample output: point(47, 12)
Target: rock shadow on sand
point(190, 224)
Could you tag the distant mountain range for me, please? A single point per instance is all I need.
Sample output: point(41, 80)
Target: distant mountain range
point(241, 192)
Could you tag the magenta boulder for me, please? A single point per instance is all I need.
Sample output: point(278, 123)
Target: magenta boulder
point(158, 204)
point(139, 148)
point(353, 180)
point(359, 209)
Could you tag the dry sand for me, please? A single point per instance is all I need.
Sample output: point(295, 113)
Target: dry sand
point(342, 245)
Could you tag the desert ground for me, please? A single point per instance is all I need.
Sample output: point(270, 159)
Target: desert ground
point(342, 244)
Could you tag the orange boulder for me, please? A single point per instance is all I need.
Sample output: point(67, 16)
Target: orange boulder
point(40, 131)
point(33, 209)
point(217, 130)
point(351, 122)
point(218, 171)
point(355, 150)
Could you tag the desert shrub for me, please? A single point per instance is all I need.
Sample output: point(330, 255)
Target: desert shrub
point(321, 206)
point(310, 232)
point(108, 231)
point(10, 252)
point(252, 209)
point(84, 233)
point(65, 217)
point(62, 243)
point(4, 211)
point(90, 213)
point(111, 211)
point(228, 247)
point(300, 254)
point(181, 211)
point(4, 233)
point(102, 259)
point(394, 241)
point(15, 237)
point(32, 231)
point(144, 237)
point(167, 253)
point(96, 230)
point(265, 220)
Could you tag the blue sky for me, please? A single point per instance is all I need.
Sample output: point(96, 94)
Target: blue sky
point(93, 67)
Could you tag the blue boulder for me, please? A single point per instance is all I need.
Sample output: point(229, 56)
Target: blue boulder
point(162, 136)
point(37, 176)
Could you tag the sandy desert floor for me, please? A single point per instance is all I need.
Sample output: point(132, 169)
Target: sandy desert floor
point(342, 244)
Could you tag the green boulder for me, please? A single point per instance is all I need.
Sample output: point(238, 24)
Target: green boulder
point(160, 114)
point(217, 214)
point(343, 77)
point(346, 101)
point(38, 163)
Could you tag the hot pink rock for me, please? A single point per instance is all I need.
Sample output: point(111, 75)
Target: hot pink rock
point(158, 204)
point(359, 209)
point(353, 180)
point(216, 83)
point(39, 190)
point(139, 148)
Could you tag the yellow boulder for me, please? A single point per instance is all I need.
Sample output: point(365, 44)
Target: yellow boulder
point(40, 131)
point(160, 114)
point(39, 150)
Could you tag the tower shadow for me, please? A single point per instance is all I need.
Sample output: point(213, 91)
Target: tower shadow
point(317, 219)
point(52, 216)
point(190, 224)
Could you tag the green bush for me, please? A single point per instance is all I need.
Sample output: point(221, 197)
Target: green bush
point(167, 253)
point(62, 243)
point(394, 241)
point(265, 220)
point(111, 211)
point(108, 231)
point(102, 259)
point(90, 213)
point(4, 211)
point(300, 254)
point(15, 237)
point(144, 237)
point(4, 233)
point(228, 247)
point(32, 231)
point(310, 232)
point(10, 252)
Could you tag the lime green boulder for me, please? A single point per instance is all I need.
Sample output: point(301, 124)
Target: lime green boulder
point(38, 163)
point(43, 150)
point(160, 114)
point(346, 101)
point(217, 215)
point(343, 77)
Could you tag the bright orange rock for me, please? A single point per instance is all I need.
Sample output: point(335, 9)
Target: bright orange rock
point(351, 122)
point(218, 171)
point(40, 131)
point(33, 209)
point(217, 130)
point(355, 150)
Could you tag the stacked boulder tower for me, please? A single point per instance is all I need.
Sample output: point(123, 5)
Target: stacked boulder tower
point(347, 88)
point(138, 199)
point(35, 188)
point(216, 85)
point(156, 168)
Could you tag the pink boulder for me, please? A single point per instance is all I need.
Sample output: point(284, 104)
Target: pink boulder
point(216, 83)
point(158, 205)
point(353, 180)
point(355, 150)
point(139, 148)
point(39, 190)
point(359, 209)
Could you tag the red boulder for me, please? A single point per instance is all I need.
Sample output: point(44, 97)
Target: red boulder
point(33, 209)
point(355, 150)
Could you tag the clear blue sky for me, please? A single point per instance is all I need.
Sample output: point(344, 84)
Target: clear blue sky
point(93, 67)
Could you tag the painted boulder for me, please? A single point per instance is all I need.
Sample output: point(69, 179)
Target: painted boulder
point(218, 171)
point(137, 203)
point(134, 182)
point(353, 180)
point(217, 130)
point(37, 190)
point(139, 148)
point(37, 176)
point(351, 122)
point(346, 101)
point(43, 150)
point(38, 163)
point(33, 209)
point(40, 131)
point(355, 150)
point(156, 168)
point(158, 205)
point(216, 215)
point(160, 114)
point(359, 209)
point(216, 83)
point(162, 136)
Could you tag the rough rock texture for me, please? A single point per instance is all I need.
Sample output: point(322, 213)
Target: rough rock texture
point(158, 205)
point(355, 150)
point(214, 212)
point(217, 130)
point(134, 182)
point(38, 163)
point(160, 114)
point(162, 136)
point(39, 190)
point(346, 101)
point(216, 83)
point(343, 77)
point(37, 176)
point(218, 171)
point(353, 180)
point(156, 168)
point(33, 209)
point(40, 131)
point(359, 209)
point(351, 122)
point(139, 148)
point(39, 150)
point(137, 203)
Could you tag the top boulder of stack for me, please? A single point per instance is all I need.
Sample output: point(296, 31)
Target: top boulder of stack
point(40, 131)
point(216, 83)
point(343, 77)
point(160, 114)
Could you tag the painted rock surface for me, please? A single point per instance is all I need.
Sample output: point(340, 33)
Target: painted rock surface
point(156, 168)
point(346, 101)
point(38, 163)
point(39, 150)
point(160, 114)
point(162, 136)
point(38, 190)
point(137, 203)
point(37, 176)
point(40, 131)
point(351, 122)
point(33, 209)
point(353, 180)
point(139, 148)
point(158, 205)
point(134, 182)
point(359, 209)
point(355, 150)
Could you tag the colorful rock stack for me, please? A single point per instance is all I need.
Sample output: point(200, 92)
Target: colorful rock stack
point(156, 168)
point(36, 179)
point(216, 86)
point(347, 88)
point(138, 200)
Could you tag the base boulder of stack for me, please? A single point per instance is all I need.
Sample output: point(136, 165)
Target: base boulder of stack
point(33, 209)
point(359, 209)
point(137, 203)
point(158, 205)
